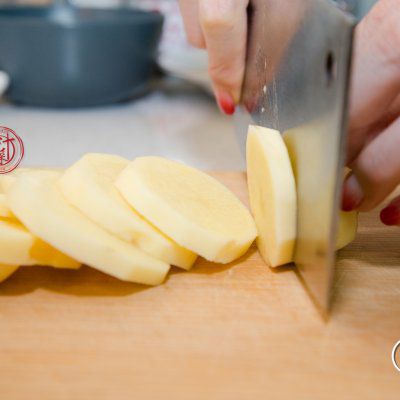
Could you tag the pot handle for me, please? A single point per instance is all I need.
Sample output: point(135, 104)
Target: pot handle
point(4, 82)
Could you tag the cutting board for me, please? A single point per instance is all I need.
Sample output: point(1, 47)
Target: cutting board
point(240, 331)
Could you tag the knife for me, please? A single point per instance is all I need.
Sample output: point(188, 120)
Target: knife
point(296, 81)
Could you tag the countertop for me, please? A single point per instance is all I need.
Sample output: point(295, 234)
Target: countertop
point(176, 120)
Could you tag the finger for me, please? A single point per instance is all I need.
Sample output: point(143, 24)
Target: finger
point(376, 72)
point(190, 14)
point(390, 215)
point(224, 24)
point(376, 171)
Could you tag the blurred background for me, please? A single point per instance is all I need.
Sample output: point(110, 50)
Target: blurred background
point(113, 81)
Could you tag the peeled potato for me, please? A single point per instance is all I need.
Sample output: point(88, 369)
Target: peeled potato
point(272, 191)
point(189, 206)
point(36, 200)
point(347, 228)
point(19, 247)
point(44, 254)
point(299, 142)
point(15, 243)
point(5, 212)
point(6, 180)
point(23, 248)
point(89, 186)
point(6, 271)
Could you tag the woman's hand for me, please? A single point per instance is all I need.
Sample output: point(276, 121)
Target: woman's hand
point(374, 131)
point(220, 26)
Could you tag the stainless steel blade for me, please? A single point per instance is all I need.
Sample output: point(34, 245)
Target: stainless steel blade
point(296, 81)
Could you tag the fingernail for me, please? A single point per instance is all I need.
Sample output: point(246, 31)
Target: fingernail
point(391, 215)
point(226, 103)
point(352, 194)
point(250, 105)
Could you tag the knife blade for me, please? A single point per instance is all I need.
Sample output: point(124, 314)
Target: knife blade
point(296, 81)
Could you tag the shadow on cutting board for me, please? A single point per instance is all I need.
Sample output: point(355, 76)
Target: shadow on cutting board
point(205, 267)
point(373, 249)
point(90, 282)
point(84, 282)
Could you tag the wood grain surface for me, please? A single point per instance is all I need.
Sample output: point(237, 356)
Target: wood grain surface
point(240, 331)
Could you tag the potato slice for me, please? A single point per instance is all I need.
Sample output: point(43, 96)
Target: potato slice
point(44, 254)
point(272, 191)
point(5, 212)
point(6, 180)
point(20, 247)
point(347, 228)
point(15, 243)
point(297, 141)
point(89, 186)
point(36, 200)
point(189, 206)
point(29, 250)
point(6, 271)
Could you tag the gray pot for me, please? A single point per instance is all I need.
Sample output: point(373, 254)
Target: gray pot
point(61, 56)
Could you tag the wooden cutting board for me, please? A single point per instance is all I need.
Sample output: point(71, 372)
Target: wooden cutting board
point(240, 331)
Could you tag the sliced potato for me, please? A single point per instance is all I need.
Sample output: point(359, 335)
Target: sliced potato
point(30, 251)
point(15, 243)
point(347, 228)
point(5, 212)
point(44, 254)
point(36, 200)
point(89, 186)
point(6, 271)
point(19, 247)
point(189, 206)
point(6, 180)
point(301, 142)
point(272, 191)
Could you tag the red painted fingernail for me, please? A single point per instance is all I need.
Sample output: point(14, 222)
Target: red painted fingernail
point(352, 194)
point(391, 215)
point(226, 103)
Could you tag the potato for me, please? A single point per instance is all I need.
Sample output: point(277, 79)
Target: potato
point(189, 206)
point(89, 186)
point(44, 254)
point(36, 201)
point(299, 142)
point(6, 271)
point(6, 180)
point(19, 247)
point(272, 191)
point(5, 212)
point(347, 228)
point(28, 249)
point(15, 243)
